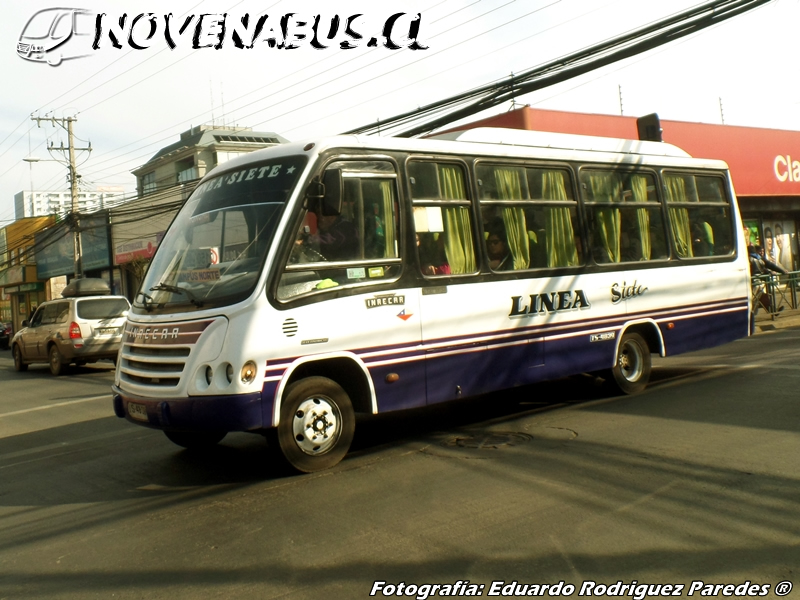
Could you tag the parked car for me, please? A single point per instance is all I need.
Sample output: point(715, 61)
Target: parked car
point(5, 335)
point(85, 325)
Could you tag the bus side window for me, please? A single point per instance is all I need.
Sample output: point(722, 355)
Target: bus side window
point(529, 213)
point(699, 215)
point(442, 219)
point(624, 214)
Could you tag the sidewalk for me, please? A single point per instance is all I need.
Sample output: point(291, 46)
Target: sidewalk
point(786, 318)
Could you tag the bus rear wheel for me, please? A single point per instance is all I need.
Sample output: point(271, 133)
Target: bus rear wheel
point(317, 424)
point(195, 440)
point(631, 370)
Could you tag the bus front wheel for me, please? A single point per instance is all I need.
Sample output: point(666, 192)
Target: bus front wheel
point(316, 426)
point(631, 370)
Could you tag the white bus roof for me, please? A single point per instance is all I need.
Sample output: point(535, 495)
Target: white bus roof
point(561, 141)
point(497, 141)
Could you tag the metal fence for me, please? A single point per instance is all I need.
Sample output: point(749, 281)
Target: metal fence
point(780, 292)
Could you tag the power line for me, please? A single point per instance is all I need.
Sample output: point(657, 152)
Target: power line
point(444, 112)
point(315, 86)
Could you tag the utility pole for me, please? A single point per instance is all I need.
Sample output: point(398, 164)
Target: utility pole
point(66, 123)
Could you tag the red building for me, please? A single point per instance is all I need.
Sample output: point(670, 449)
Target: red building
point(766, 176)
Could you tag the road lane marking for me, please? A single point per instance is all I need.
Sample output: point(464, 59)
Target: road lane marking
point(35, 408)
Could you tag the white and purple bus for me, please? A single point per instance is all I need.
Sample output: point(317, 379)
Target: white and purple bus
point(304, 284)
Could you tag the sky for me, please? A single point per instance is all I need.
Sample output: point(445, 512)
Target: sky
point(131, 101)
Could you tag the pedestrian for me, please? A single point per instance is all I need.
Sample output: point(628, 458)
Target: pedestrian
point(761, 272)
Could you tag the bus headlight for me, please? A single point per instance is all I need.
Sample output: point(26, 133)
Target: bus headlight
point(248, 372)
point(209, 375)
point(229, 373)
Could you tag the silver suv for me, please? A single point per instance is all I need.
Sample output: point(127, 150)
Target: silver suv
point(80, 328)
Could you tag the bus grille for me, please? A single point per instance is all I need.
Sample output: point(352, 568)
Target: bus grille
point(152, 365)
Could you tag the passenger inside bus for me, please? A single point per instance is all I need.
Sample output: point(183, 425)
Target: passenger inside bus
point(497, 248)
point(632, 247)
point(701, 245)
point(337, 237)
point(432, 255)
point(325, 238)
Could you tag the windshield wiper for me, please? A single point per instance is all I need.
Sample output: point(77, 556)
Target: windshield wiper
point(163, 287)
point(147, 301)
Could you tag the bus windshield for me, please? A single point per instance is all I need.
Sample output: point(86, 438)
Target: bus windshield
point(215, 248)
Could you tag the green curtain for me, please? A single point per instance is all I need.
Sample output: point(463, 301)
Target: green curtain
point(458, 244)
point(639, 187)
point(709, 232)
point(679, 216)
point(387, 191)
point(607, 187)
point(509, 187)
point(561, 249)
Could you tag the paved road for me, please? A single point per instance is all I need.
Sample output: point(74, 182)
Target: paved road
point(695, 480)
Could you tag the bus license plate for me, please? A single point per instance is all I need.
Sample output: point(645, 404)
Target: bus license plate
point(137, 411)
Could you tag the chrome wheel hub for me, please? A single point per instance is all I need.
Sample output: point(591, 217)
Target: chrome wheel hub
point(630, 362)
point(316, 426)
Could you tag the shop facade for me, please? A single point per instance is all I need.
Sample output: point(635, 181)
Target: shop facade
point(21, 289)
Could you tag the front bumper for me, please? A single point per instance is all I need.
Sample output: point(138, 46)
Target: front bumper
point(241, 412)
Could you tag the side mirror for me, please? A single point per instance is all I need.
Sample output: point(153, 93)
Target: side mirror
point(328, 192)
point(26, 323)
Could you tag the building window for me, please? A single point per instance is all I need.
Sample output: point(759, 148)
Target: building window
point(149, 182)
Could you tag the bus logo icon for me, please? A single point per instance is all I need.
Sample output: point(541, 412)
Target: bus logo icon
point(53, 35)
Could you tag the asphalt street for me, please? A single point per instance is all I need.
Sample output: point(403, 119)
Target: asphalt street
point(693, 483)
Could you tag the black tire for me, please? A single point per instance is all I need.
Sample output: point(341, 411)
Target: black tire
point(319, 406)
point(195, 440)
point(57, 366)
point(631, 370)
point(19, 364)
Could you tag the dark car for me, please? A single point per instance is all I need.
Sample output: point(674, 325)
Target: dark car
point(5, 335)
